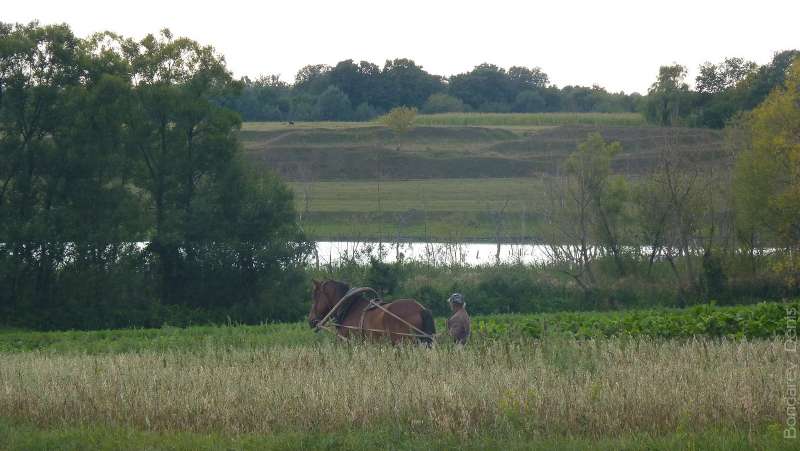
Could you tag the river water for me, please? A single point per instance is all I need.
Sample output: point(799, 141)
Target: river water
point(471, 254)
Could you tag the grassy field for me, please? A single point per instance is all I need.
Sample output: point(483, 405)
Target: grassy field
point(436, 195)
point(510, 394)
point(284, 387)
point(526, 119)
point(522, 120)
point(450, 209)
point(450, 175)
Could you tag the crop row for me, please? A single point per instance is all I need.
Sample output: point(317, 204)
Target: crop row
point(530, 119)
point(761, 320)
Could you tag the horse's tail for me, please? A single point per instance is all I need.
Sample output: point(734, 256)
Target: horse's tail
point(428, 326)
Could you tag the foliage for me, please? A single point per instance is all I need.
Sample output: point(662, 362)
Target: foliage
point(108, 142)
point(529, 101)
point(723, 91)
point(768, 173)
point(442, 103)
point(400, 120)
point(382, 276)
point(365, 112)
point(717, 78)
point(669, 99)
point(587, 213)
point(762, 320)
point(401, 82)
point(333, 103)
point(486, 83)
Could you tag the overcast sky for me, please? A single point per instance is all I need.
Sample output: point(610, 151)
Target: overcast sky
point(618, 44)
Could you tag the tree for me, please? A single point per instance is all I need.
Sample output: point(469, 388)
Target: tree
point(484, 84)
point(107, 142)
point(266, 99)
point(404, 83)
point(313, 79)
point(586, 215)
point(671, 206)
point(770, 76)
point(182, 139)
point(442, 103)
point(669, 98)
point(360, 82)
point(717, 78)
point(399, 120)
point(720, 90)
point(527, 79)
point(768, 174)
point(529, 101)
point(590, 169)
point(333, 105)
point(365, 112)
point(39, 80)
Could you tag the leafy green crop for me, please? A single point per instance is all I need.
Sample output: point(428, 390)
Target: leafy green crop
point(761, 320)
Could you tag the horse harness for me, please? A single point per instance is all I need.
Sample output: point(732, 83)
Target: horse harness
point(371, 305)
point(376, 303)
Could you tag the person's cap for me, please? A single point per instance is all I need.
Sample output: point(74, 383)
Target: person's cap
point(456, 298)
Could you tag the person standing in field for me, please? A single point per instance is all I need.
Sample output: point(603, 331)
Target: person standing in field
point(458, 325)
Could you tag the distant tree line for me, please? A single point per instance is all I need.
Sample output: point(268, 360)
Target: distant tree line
point(351, 91)
point(122, 198)
point(722, 91)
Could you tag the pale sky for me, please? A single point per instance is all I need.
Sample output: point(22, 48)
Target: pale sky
point(618, 44)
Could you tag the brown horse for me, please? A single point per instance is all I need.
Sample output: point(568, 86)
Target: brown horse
point(355, 317)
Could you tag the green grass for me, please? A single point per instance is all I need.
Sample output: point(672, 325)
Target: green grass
point(190, 339)
point(526, 119)
point(516, 121)
point(26, 436)
point(450, 227)
point(443, 209)
point(434, 195)
point(273, 126)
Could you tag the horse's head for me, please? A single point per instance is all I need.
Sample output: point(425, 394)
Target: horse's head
point(324, 295)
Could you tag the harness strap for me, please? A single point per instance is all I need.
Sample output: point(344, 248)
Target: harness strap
point(370, 304)
point(424, 334)
point(348, 295)
point(361, 324)
point(374, 330)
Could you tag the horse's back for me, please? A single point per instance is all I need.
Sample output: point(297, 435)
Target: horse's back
point(408, 311)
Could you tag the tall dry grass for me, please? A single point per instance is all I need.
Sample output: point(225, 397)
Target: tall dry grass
point(591, 388)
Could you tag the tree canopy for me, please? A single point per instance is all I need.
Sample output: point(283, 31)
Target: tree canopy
point(768, 173)
point(122, 198)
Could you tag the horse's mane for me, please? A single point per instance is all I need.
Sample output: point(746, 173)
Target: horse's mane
point(341, 290)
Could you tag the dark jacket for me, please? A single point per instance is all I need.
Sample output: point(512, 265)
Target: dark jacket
point(458, 326)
